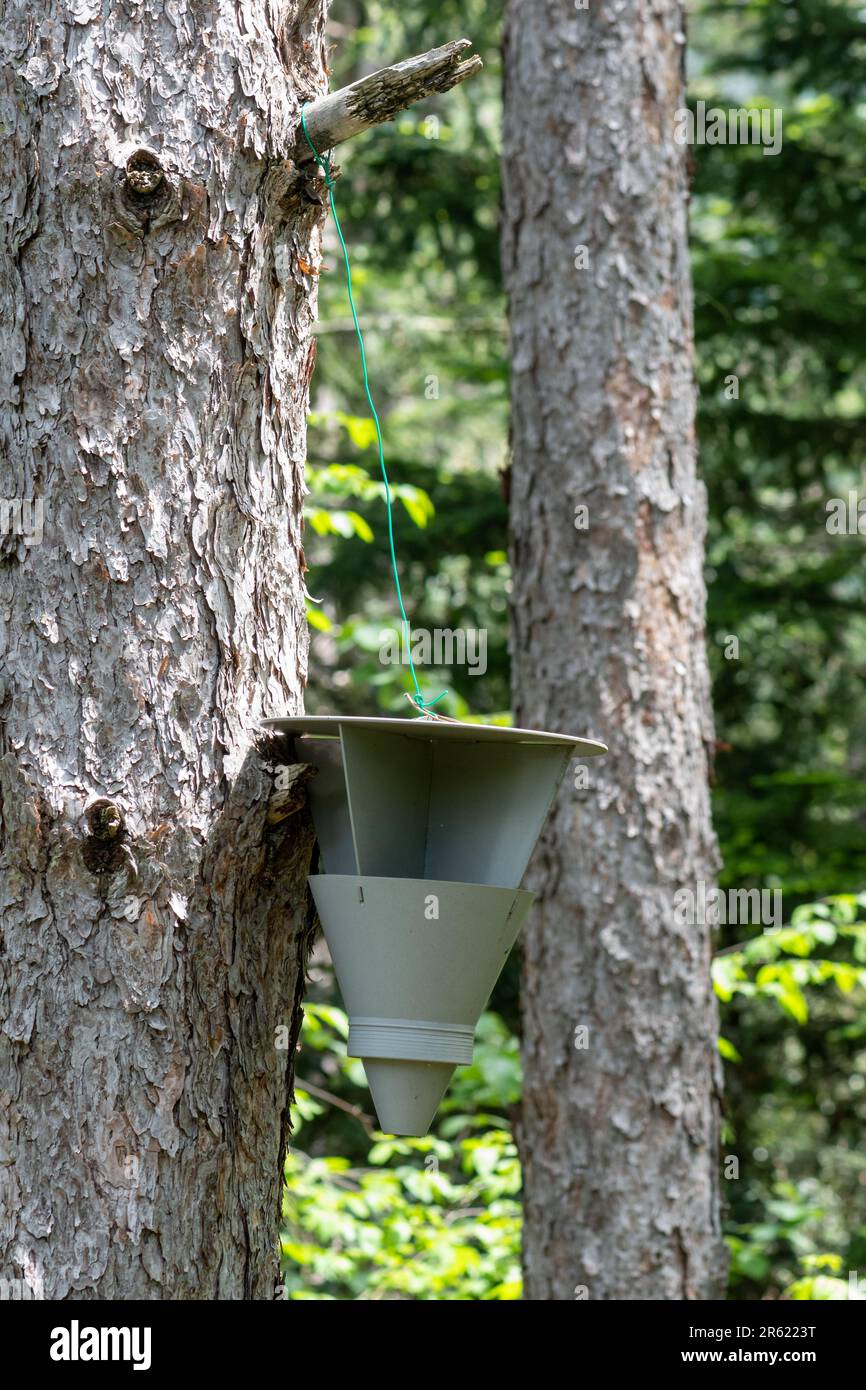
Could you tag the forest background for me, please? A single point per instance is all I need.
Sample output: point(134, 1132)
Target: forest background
point(779, 266)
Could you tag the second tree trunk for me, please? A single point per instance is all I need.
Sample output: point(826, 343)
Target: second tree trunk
point(619, 1132)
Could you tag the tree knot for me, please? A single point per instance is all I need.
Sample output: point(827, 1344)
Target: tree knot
point(102, 850)
point(143, 174)
point(144, 196)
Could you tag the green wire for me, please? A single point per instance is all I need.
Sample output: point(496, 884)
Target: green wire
point(325, 165)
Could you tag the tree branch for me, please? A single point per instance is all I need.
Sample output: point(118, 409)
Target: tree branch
point(379, 97)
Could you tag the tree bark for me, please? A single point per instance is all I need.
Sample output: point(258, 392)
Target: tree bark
point(156, 309)
point(620, 1135)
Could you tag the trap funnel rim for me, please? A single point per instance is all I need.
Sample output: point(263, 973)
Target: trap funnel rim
point(434, 883)
point(327, 726)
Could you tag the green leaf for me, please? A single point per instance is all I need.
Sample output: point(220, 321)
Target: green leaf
point(318, 620)
point(361, 429)
point(417, 504)
point(728, 1051)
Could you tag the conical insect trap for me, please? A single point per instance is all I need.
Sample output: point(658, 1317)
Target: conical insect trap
point(425, 829)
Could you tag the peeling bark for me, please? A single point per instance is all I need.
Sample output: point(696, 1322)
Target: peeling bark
point(155, 355)
point(620, 1138)
point(381, 95)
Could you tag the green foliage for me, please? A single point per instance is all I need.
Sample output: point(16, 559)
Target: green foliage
point(815, 1284)
point(758, 1247)
point(778, 263)
point(780, 292)
point(439, 1217)
point(433, 1218)
point(784, 1210)
point(779, 964)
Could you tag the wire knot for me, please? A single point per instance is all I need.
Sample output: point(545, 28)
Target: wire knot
point(425, 707)
point(323, 160)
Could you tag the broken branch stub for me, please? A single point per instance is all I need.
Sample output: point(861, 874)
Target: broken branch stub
point(382, 95)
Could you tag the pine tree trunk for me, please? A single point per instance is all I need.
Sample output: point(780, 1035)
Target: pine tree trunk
point(155, 315)
point(620, 1136)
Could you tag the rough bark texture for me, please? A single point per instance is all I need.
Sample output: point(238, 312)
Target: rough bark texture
point(619, 1139)
point(155, 319)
